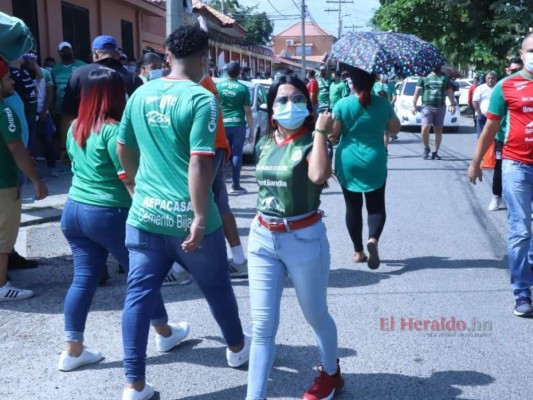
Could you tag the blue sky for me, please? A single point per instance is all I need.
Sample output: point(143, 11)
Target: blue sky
point(357, 13)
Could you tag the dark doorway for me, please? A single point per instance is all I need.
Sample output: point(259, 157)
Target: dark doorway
point(27, 11)
point(76, 30)
point(127, 38)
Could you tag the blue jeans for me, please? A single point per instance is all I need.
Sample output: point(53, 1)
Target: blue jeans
point(151, 257)
point(481, 120)
point(236, 136)
point(92, 233)
point(517, 180)
point(303, 254)
point(45, 133)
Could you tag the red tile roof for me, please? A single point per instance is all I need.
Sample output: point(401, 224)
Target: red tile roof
point(198, 5)
point(311, 29)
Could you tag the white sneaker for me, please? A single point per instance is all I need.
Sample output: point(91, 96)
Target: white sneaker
point(235, 360)
point(145, 394)
point(179, 332)
point(68, 363)
point(177, 278)
point(238, 270)
point(8, 292)
point(495, 203)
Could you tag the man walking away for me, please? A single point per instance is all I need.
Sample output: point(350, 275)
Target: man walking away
point(324, 83)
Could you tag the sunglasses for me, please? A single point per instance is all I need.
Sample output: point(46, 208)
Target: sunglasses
point(295, 98)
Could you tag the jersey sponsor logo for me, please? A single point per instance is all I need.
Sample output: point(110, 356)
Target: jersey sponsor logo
point(527, 99)
point(10, 120)
point(273, 204)
point(529, 129)
point(228, 93)
point(520, 85)
point(232, 119)
point(297, 155)
point(271, 167)
point(167, 205)
point(269, 182)
point(527, 109)
point(167, 101)
point(213, 117)
point(151, 99)
point(155, 118)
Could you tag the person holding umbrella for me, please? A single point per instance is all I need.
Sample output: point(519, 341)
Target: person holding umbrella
point(361, 160)
point(434, 88)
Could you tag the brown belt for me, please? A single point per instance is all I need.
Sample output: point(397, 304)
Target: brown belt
point(287, 226)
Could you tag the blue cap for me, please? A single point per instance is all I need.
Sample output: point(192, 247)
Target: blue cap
point(105, 42)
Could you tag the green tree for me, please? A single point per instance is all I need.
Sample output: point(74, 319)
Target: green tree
point(258, 26)
point(480, 33)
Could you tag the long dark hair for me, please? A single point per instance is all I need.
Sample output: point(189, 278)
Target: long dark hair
point(362, 83)
point(273, 93)
point(103, 99)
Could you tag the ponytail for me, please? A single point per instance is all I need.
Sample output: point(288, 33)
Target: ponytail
point(362, 83)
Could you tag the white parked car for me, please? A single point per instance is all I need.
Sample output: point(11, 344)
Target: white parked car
point(404, 100)
point(464, 86)
point(258, 95)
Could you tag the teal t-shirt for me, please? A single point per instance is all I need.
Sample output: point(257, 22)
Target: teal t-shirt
point(323, 91)
point(234, 96)
point(96, 169)
point(60, 76)
point(168, 121)
point(337, 91)
point(434, 89)
point(361, 159)
point(282, 172)
point(10, 131)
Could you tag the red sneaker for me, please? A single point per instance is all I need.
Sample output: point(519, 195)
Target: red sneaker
point(326, 387)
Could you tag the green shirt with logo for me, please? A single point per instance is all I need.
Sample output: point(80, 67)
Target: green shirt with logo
point(60, 76)
point(361, 158)
point(96, 169)
point(337, 91)
point(234, 96)
point(10, 131)
point(434, 89)
point(282, 174)
point(323, 91)
point(168, 121)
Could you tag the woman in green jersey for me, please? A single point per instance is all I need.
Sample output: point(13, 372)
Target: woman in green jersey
point(361, 160)
point(94, 217)
point(288, 235)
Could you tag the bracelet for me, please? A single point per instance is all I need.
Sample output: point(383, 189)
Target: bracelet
point(322, 131)
point(202, 228)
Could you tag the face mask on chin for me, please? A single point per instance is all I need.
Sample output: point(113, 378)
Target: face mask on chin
point(528, 62)
point(291, 116)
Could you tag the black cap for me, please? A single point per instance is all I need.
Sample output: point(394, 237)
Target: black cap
point(233, 67)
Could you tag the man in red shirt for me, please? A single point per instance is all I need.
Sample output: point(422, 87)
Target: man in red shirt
point(312, 87)
point(471, 91)
point(511, 102)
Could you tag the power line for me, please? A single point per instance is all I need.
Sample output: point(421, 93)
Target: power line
point(275, 9)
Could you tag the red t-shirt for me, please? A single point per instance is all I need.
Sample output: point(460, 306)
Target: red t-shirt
point(312, 88)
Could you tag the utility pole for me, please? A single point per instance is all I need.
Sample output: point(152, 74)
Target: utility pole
point(174, 15)
point(222, 7)
point(304, 47)
point(339, 3)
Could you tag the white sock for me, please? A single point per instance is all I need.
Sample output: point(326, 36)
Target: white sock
point(177, 268)
point(238, 254)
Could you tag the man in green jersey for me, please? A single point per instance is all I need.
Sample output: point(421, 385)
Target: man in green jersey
point(61, 74)
point(13, 157)
point(337, 90)
point(236, 108)
point(434, 88)
point(324, 83)
point(166, 144)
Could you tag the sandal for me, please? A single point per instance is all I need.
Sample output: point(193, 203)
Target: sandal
point(359, 257)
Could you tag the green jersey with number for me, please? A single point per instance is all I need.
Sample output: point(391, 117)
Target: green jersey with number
point(282, 174)
point(60, 76)
point(168, 121)
point(234, 96)
point(10, 131)
point(96, 169)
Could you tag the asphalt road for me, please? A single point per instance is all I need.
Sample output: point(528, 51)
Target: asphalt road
point(444, 259)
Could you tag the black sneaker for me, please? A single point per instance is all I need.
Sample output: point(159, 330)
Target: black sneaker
point(16, 261)
point(425, 156)
point(435, 156)
point(523, 307)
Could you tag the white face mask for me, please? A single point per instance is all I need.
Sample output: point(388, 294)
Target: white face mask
point(528, 62)
point(291, 115)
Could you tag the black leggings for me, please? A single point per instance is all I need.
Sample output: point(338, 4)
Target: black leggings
point(375, 206)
